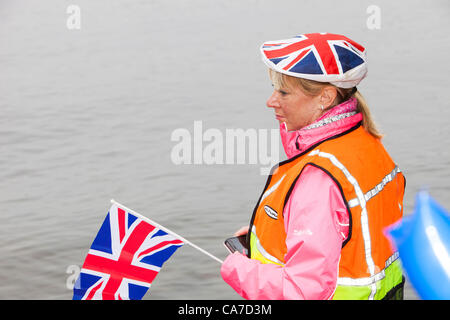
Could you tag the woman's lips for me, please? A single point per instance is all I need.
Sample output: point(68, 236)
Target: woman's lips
point(279, 117)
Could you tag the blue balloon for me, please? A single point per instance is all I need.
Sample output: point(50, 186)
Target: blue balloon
point(423, 242)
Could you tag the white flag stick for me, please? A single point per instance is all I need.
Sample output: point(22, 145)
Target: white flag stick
point(167, 230)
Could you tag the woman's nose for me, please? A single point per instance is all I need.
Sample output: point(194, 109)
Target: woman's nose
point(272, 102)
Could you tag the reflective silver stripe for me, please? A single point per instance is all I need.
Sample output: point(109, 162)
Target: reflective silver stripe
point(261, 249)
point(369, 280)
point(391, 259)
point(330, 120)
point(373, 192)
point(361, 281)
point(364, 217)
point(272, 189)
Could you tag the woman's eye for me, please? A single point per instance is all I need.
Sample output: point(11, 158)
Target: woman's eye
point(283, 93)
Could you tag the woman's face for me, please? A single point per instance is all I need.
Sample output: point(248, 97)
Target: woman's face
point(294, 107)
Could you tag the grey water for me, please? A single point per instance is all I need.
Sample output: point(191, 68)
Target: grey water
point(87, 116)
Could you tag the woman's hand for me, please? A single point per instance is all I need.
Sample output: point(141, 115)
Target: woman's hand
point(242, 231)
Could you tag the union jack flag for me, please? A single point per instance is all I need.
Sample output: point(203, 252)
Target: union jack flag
point(125, 257)
point(314, 54)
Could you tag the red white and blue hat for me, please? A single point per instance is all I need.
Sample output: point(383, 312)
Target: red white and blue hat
point(323, 57)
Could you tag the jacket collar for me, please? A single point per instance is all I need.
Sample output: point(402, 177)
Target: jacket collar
point(333, 122)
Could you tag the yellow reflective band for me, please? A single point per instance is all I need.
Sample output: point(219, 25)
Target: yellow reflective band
point(361, 288)
point(258, 252)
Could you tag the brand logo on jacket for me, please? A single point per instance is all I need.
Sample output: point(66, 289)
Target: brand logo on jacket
point(271, 212)
point(303, 232)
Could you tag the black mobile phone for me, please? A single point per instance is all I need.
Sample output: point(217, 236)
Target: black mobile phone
point(237, 244)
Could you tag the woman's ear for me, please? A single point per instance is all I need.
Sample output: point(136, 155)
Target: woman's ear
point(328, 96)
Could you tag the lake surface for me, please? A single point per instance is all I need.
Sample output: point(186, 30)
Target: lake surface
point(87, 115)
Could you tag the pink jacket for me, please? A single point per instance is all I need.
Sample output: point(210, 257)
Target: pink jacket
point(316, 223)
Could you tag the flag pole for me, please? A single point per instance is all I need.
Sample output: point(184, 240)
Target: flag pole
point(167, 230)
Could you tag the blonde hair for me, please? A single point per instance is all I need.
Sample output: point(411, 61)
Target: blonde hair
point(313, 88)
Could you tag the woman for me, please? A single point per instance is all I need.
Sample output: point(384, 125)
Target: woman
point(317, 229)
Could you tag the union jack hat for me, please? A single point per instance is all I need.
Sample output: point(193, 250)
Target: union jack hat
point(323, 57)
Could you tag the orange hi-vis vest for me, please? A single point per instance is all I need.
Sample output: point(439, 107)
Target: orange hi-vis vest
point(372, 187)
